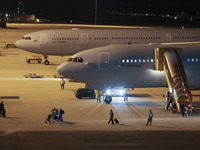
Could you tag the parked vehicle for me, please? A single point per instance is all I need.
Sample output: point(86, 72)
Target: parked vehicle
point(85, 93)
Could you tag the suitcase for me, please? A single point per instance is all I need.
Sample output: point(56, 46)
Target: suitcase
point(116, 121)
point(4, 113)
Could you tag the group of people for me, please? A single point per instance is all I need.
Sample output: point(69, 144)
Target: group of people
point(149, 120)
point(184, 110)
point(55, 116)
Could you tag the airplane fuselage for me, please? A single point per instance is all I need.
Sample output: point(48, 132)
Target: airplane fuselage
point(68, 42)
point(128, 66)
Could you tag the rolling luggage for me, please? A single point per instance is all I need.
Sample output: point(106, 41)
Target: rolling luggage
point(116, 121)
point(4, 113)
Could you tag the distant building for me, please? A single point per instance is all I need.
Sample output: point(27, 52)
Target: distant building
point(24, 18)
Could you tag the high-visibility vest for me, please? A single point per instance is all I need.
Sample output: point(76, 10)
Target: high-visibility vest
point(150, 114)
point(62, 82)
point(126, 91)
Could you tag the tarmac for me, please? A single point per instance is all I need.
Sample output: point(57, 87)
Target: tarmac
point(28, 101)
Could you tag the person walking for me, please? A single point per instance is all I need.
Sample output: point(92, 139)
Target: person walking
point(2, 110)
point(186, 111)
point(111, 117)
point(61, 112)
point(99, 96)
point(150, 118)
point(62, 83)
point(126, 94)
point(182, 107)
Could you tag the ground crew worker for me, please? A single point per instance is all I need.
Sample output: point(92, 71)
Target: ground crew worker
point(2, 110)
point(111, 117)
point(150, 118)
point(62, 83)
point(125, 94)
point(99, 96)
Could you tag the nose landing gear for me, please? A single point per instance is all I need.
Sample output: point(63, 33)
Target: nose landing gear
point(46, 62)
point(108, 99)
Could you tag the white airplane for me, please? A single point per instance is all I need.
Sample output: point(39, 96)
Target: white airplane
point(68, 42)
point(139, 65)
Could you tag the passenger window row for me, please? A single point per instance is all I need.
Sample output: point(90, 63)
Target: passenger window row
point(193, 37)
point(134, 38)
point(106, 38)
point(62, 39)
point(127, 61)
point(126, 38)
point(118, 38)
point(193, 60)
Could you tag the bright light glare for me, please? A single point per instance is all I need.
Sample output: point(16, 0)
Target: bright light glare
point(108, 92)
point(121, 92)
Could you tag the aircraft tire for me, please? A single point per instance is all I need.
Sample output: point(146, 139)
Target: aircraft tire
point(108, 99)
point(46, 62)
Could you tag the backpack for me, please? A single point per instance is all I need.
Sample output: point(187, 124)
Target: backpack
point(62, 111)
point(150, 114)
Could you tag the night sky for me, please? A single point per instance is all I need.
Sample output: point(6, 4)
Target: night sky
point(66, 9)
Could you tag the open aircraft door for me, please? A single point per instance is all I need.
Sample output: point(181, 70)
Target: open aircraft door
point(104, 60)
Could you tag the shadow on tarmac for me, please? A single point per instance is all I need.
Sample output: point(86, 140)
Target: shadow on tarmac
point(165, 127)
point(13, 118)
point(70, 123)
point(124, 125)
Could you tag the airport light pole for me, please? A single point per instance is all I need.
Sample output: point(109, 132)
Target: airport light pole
point(95, 12)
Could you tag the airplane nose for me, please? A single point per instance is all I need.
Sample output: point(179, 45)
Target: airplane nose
point(17, 44)
point(61, 68)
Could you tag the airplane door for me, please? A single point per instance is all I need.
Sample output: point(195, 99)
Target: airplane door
point(104, 60)
point(43, 42)
point(84, 38)
point(168, 38)
point(43, 38)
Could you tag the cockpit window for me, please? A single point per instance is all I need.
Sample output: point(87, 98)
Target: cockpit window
point(76, 59)
point(26, 38)
point(70, 59)
point(80, 59)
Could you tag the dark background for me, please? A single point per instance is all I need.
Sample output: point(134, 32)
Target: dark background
point(82, 11)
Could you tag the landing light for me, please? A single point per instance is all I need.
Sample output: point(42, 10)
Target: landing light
point(108, 92)
point(121, 92)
